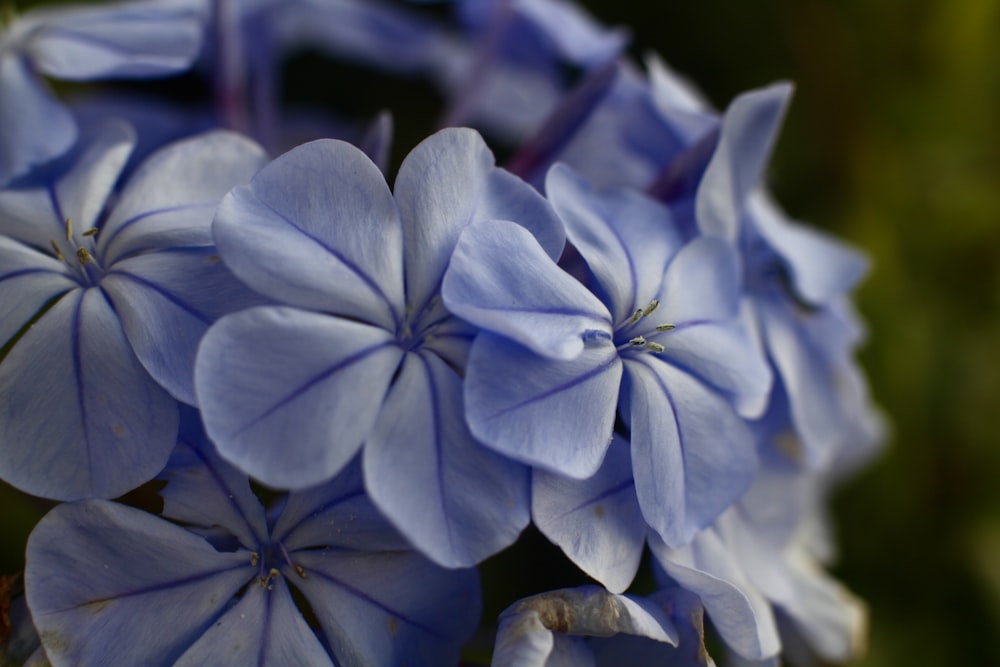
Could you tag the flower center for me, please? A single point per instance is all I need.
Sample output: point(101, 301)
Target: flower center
point(272, 557)
point(78, 251)
point(637, 331)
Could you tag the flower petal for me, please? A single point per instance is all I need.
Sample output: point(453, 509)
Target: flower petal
point(171, 198)
point(166, 301)
point(317, 228)
point(596, 521)
point(455, 500)
point(626, 238)
point(701, 283)
point(389, 608)
point(749, 130)
point(692, 456)
point(288, 395)
point(28, 280)
point(264, 628)
point(557, 415)
point(80, 416)
point(111, 585)
point(34, 126)
point(738, 612)
point(203, 490)
point(448, 181)
point(500, 279)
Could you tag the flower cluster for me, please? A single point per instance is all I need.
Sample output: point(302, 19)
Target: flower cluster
point(348, 394)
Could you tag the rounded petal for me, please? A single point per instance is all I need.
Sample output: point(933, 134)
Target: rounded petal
point(455, 500)
point(501, 280)
point(80, 416)
point(596, 521)
point(692, 456)
point(701, 283)
point(318, 228)
point(111, 585)
point(171, 198)
point(287, 395)
point(558, 415)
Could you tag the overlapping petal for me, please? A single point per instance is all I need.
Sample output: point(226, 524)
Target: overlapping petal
point(447, 182)
point(91, 422)
point(501, 280)
point(318, 228)
point(558, 415)
point(692, 456)
point(289, 395)
point(457, 501)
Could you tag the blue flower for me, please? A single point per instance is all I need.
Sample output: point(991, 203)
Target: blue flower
point(363, 351)
point(129, 40)
point(104, 296)
point(662, 347)
point(109, 584)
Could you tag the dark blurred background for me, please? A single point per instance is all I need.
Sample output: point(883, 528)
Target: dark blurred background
point(892, 143)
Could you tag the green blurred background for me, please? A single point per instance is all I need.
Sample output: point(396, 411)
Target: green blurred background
point(892, 143)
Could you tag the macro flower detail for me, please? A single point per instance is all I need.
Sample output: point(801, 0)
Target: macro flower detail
point(112, 585)
point(104, 304)
point(362, 351)
point(662, 346)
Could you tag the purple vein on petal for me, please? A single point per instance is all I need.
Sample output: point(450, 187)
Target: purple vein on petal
point(107, 240)
point(56, 209)
point(365, 278)
point(351, 495)
point(555, 390)
point(75, 335)
point(205, 319)
point(375, 603)
point(264, 634)
point(314, 380)
point(439, 462)
point(615, 490)
point(184, 581)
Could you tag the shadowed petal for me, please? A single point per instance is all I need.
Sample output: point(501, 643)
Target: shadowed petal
point(501, 280)
point(203, 490)
point(554, 414)
point(457, 501)
point(111, 585)
point(287, 395)
point(389, 608)
point(692, 456)
point(264, 628)
point(166, 301)
point(626, 238)
point(34, 127)
point(28, 280)
point(596, 521)
point(317, 228)
point(80, 416)
point(709, 568)
point(749, 129)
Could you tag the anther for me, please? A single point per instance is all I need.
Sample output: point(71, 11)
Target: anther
point(653, 305)
point(655, 347)
point(90, 232)
point(254, 558)
point(636, 316)
point(59, 255)
point(638, 341)
point(69, 229)
point(83, 255)
point(666, 327)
